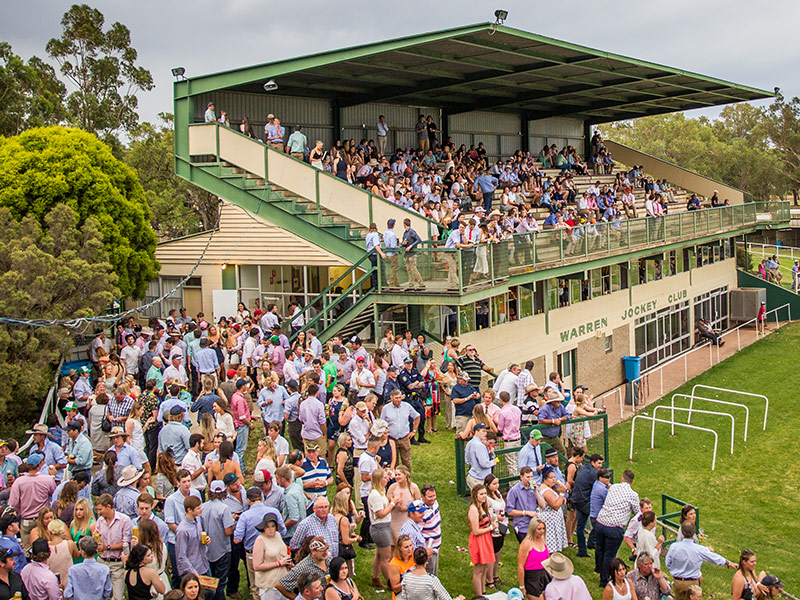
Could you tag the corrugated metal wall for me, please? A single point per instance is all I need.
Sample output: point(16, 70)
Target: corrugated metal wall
point(360, 122)
point(555, 130)
point(315, 115)
point(500, 133)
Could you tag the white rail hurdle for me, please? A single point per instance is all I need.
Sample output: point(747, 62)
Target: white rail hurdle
point(697, 410)
point(741, 393)
point(654, 421)
point(693, 398)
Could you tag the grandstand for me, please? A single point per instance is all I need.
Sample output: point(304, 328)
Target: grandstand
point(574, 300)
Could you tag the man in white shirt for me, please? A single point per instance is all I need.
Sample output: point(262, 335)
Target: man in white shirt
point(130, 355)
point(383, 132)
point(398, 353)
point(507, 381)
point(248, 350)
point(362, 380)
point(176, 370)
point(193, 462)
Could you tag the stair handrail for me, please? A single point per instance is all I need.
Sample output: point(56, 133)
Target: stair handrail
point(326, 308)
point(307, 323)
point(370, 196)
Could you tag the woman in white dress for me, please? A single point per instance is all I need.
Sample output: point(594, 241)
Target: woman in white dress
point(133, 427)
point(224, 419)
point(481, 269)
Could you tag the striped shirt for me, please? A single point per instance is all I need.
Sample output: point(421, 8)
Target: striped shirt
point(432, 526)
point(313, 473)
point(413, 531)
point(422, 587)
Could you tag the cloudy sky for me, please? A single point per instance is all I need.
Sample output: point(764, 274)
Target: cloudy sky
point(712, 37)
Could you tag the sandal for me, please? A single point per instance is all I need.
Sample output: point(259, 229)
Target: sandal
point(376, 583)
point(491, 585)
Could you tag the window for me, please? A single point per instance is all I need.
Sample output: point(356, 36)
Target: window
point(609, 343)
point(713, 305)
point(525, 293)
point(662, 334)
point(500, 313)
point(466, 318)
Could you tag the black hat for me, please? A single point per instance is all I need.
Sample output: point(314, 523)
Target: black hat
point(267, 518)
point(772, 580)
point(229, 478)
point(550, 452)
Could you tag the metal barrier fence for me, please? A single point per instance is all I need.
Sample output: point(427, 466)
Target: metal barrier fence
point(598, 425)
point(667, 520)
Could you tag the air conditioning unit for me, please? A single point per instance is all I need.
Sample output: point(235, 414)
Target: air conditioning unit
point(745, 302)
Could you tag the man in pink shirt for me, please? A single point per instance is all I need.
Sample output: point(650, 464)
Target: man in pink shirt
point(241, 417)
point(29, 494)
point(508, 421)
point(277, 356)
point(114, 529)
point(564, 585)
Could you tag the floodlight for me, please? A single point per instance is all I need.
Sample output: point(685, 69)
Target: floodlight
point(177, 73)
point(501, 15)
point(270, 86)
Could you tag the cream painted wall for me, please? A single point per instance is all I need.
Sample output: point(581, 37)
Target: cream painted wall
point(211, 279)
point(521, 340)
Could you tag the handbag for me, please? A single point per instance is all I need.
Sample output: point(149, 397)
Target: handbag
point(105, 423)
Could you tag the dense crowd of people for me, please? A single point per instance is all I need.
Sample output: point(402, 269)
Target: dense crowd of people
point(142, 491)
point(452, 184)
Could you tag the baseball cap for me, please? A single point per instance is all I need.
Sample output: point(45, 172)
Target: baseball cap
point(241, 382)
point(70, 406)
point(229, 478)
point(360, 359)
point(417, 506)
point(35, 460)
point(361, 405)
point(176, 410)
point(262, 476)
point(231, 373)
point(479, 426)
point(408, 360)
point(463, 375)
point(74, 425)
point(217, 486)
point(536, 434)
point(355, 340)
point(581, 387)
point(772, 580)
point(40, 546)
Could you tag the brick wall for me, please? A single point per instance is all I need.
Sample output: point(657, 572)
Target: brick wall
point(601, 370)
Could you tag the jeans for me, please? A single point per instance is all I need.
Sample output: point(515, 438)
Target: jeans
point(609, 540)
point(581, 530)
point(237, 555)
point(242, 435)
point(219, 569)
point(175, 581)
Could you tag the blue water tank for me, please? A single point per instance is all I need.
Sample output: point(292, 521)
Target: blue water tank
point(633, 367)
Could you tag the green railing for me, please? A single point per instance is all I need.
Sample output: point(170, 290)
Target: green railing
point(328, 305)
point(501, 468)
point(672, 519)
point(527, 252)
point(367, 206)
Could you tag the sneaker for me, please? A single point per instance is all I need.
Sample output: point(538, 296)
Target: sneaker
point(414, 442)
point(424, 441)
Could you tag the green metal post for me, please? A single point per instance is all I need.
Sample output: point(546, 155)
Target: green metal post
point(460, 278)
point(561, 247)
point(369, 204)
point(605, 439)
point(491, 262)
point(628, 232)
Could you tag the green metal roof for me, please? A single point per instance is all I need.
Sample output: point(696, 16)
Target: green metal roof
point(486, 67)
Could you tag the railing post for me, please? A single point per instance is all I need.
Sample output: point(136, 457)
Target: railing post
point(534, 235)
point(561, 246)
point(460, 278)
point(266, 165)
point(316, 189)
point(216, 131)
point(628, 232)
point(490, 252)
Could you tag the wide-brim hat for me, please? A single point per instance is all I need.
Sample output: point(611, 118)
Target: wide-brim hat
point(118, 431)
point(176, 381)
point(558, 566)
point(129, 475)
point(38, 428)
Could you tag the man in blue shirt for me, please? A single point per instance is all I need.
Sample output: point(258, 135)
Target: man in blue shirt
point(206, 360)
point(686, 557)
point(88, 580)
point(413, 386)
point(275, 133)
point(245, 530)
point(530, 455)
point(373, 244)
point(598, 495)
point(476, 455)
point(398, 415)
point(455, 240)
point(174, 512)
point(79, 449)
point(54, 457)
point(486, 184)
point(391, 245)
point(210, 116)
point(553, 413)
point(464, 397)
point(9, 528)
point(552, 219)
point(270, 401)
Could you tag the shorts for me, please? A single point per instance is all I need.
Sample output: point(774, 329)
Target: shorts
point(381, 534)
point(536, 581)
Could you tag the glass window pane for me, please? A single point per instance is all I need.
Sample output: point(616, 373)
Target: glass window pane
point(248, 277)
point(466, 318)
point(499, 309)
point(525, 300)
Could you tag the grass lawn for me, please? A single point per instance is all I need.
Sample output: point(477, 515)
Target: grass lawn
point(746, 502)
point(786, 258)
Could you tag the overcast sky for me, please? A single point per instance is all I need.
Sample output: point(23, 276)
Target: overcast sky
point(712, 37)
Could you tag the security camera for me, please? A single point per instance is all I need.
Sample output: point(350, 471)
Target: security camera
point(270, 86)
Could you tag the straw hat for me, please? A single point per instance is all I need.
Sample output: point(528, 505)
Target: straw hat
point(558, 566)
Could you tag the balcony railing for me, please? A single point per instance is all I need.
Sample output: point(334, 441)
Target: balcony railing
point(450, 270)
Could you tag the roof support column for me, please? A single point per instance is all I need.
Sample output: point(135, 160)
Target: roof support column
point(445, 126)
point(587, 139)
point(337, 119)
point(523, 127)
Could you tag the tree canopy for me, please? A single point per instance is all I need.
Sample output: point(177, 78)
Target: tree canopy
point(45, 167)
point(53, 269)
point(102, 67)
point(179, 207)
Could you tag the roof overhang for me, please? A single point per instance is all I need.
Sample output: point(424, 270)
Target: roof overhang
point(486, 67)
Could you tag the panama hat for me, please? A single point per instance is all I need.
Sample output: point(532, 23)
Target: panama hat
point(558, 566)
point(129, 475)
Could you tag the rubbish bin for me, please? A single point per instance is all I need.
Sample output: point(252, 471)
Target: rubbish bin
point(633, 367)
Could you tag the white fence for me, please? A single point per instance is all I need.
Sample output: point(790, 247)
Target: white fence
point(653, 420)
